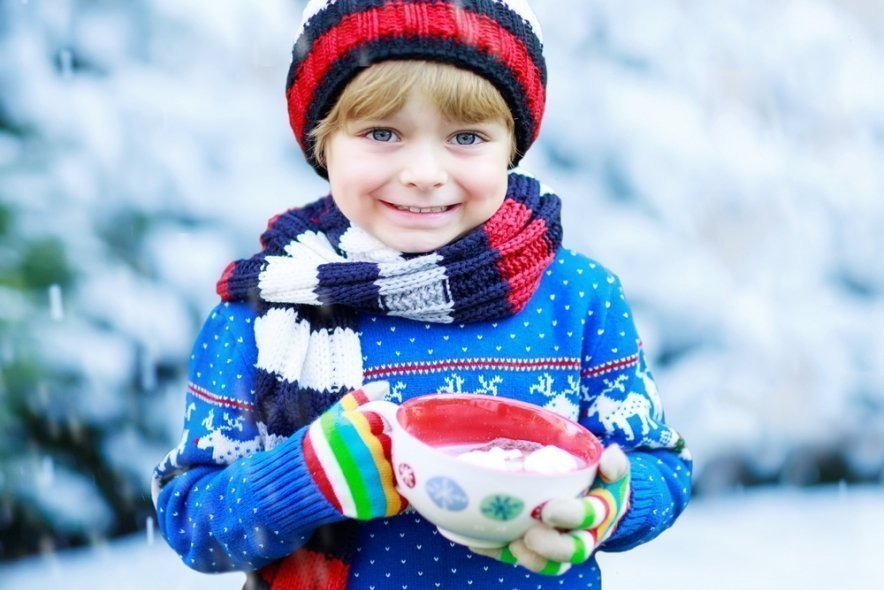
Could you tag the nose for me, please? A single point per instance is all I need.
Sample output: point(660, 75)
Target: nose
point(423, 167)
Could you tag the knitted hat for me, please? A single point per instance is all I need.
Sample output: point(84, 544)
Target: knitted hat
point(499, 40)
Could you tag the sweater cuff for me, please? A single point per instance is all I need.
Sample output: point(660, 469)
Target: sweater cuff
point(637, 523)
point(285, 491)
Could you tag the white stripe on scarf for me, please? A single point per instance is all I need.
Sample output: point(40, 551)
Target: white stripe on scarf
point(294, 278)
point(318, 360)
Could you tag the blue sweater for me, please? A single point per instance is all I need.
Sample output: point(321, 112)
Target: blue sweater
point(231, 498)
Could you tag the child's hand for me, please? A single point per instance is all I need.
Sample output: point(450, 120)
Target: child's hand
point(348, 456)
point(571, 529)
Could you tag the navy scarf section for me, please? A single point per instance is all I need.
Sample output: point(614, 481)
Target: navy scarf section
point(488, 274)
point(316, 272)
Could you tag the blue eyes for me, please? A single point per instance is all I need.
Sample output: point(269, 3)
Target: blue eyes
point(466, 138)
point(384, 135)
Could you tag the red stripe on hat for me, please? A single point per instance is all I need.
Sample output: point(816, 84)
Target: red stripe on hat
point(523, 258)
point(314, 466)
point(444, 21)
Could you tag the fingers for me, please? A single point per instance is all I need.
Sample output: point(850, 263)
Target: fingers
point(594, 509)
point(518, 552)
point(376, 469)
point(575, 513)
point(348, 455)
point(370, 392)
point(614, 464)
point(566, 547)
point(374, 433)
point(609, 494)
point(531, 560)
point(494, 553)
point(378, 429)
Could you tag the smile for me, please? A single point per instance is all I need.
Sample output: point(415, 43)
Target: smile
point(424, 209)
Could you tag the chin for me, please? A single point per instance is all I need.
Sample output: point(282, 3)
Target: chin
point(415, 249)
point(416, 246)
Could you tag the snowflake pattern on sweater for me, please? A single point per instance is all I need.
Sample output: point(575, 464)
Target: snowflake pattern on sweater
point(232, 497)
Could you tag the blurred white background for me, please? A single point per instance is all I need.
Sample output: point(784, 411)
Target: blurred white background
point(723, 158)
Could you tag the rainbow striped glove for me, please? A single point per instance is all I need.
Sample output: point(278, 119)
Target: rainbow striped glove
point(571, 529)
point(348, 456)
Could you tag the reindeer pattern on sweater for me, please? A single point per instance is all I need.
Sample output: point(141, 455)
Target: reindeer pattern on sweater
point(574, 349)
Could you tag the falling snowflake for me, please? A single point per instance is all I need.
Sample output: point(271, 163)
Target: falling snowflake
point(447, 494)
point(501, 507)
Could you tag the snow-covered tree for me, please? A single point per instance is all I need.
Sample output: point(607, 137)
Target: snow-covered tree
point(120, 193)
point(723, 158)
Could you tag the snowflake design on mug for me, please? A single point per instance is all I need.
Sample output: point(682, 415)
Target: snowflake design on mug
point(447, 494)
point(501, 507)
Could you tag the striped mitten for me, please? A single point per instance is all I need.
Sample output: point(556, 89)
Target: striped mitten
point(571, 529)
point(348, 456)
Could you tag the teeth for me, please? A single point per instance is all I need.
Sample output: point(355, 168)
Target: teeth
point(421, 209)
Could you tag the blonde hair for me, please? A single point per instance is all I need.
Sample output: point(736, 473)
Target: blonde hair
point(382, 90)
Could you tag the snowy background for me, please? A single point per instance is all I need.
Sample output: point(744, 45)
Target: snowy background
point(723, 158)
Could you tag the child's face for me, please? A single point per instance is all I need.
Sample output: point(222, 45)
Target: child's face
point(416, 180)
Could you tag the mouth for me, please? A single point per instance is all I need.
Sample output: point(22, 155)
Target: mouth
point(421, 210)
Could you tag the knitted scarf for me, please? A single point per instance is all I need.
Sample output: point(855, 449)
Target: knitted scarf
point(316, 272)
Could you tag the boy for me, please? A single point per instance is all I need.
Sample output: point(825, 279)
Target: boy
point(434, 268)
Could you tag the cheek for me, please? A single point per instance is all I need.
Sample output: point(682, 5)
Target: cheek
point(352, 202)
point(353, 185)
point(489, 192)
point(361, 178)
point(353, 196)
point(348, 168)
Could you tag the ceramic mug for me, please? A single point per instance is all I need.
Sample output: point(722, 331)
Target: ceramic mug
point(470, 504)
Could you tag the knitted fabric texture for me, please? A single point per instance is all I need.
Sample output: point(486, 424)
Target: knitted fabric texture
point(317, 271)
point(572, 349)
point(499, 40)
point(348, 455)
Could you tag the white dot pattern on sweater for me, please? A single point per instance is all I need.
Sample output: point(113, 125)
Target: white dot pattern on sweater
point(573, 349)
